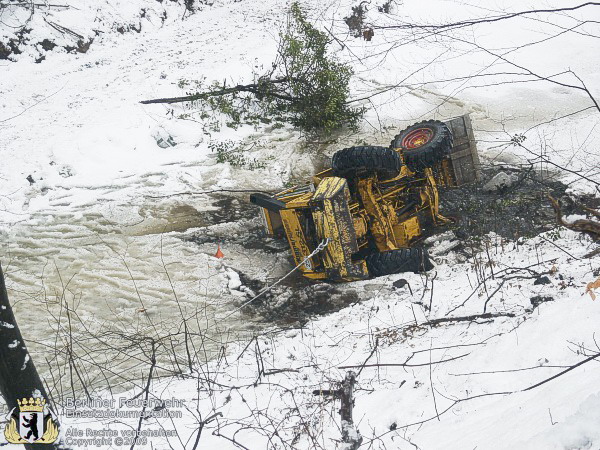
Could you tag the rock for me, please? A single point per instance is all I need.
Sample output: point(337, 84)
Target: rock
point(446, 236)
point(542, 280)
point(499, 183)
point(539, 299)
point(443, 247)
point(400, 283)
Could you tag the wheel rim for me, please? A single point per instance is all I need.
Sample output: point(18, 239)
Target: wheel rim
point(417, 138)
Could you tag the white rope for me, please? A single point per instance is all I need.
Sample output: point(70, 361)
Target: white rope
point(319, 248)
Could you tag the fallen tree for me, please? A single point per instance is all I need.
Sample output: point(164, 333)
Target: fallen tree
point(586, 226)
point(305, 86)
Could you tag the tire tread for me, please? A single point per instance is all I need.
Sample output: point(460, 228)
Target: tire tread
point(434, 151)
point(352, 162)
point(396, 261)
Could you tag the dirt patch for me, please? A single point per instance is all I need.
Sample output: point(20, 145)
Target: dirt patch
point(12, 46)
point(128, 28)
point(521, 210)
point(297, 300)
point(82, 46)
point(47, 44)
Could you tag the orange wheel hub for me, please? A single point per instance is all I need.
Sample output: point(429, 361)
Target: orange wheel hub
point(417, 138)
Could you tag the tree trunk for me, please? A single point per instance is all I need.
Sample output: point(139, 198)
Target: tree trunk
point(350, 434)
point(18, 376)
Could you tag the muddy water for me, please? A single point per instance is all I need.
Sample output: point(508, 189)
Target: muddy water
point(95, 290)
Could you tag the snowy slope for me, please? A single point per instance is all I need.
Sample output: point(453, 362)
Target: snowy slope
point(104, 209)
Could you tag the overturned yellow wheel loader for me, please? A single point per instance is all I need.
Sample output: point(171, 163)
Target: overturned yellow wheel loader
point(366, 215)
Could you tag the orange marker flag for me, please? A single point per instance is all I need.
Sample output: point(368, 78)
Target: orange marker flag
point(219, 253)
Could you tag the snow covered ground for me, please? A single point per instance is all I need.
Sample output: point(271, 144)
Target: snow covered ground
point(123, 231)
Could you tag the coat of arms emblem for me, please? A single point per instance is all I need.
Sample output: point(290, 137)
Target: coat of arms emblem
point(33, 423)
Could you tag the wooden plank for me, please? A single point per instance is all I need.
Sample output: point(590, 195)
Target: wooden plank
point(466, 152)
point(474, 154)
point(464, 160)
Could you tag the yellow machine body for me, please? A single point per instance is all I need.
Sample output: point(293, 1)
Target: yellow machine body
point(391, 212)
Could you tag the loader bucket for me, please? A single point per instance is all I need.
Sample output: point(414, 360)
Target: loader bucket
point(333, 221)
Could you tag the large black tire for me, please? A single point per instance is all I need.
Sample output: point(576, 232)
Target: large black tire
point(424, 144)
point(355, 162)
point(396, 261)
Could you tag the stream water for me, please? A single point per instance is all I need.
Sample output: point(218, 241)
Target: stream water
point(93, 296)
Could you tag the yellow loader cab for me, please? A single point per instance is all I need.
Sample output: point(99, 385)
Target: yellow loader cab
point(365, 216)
